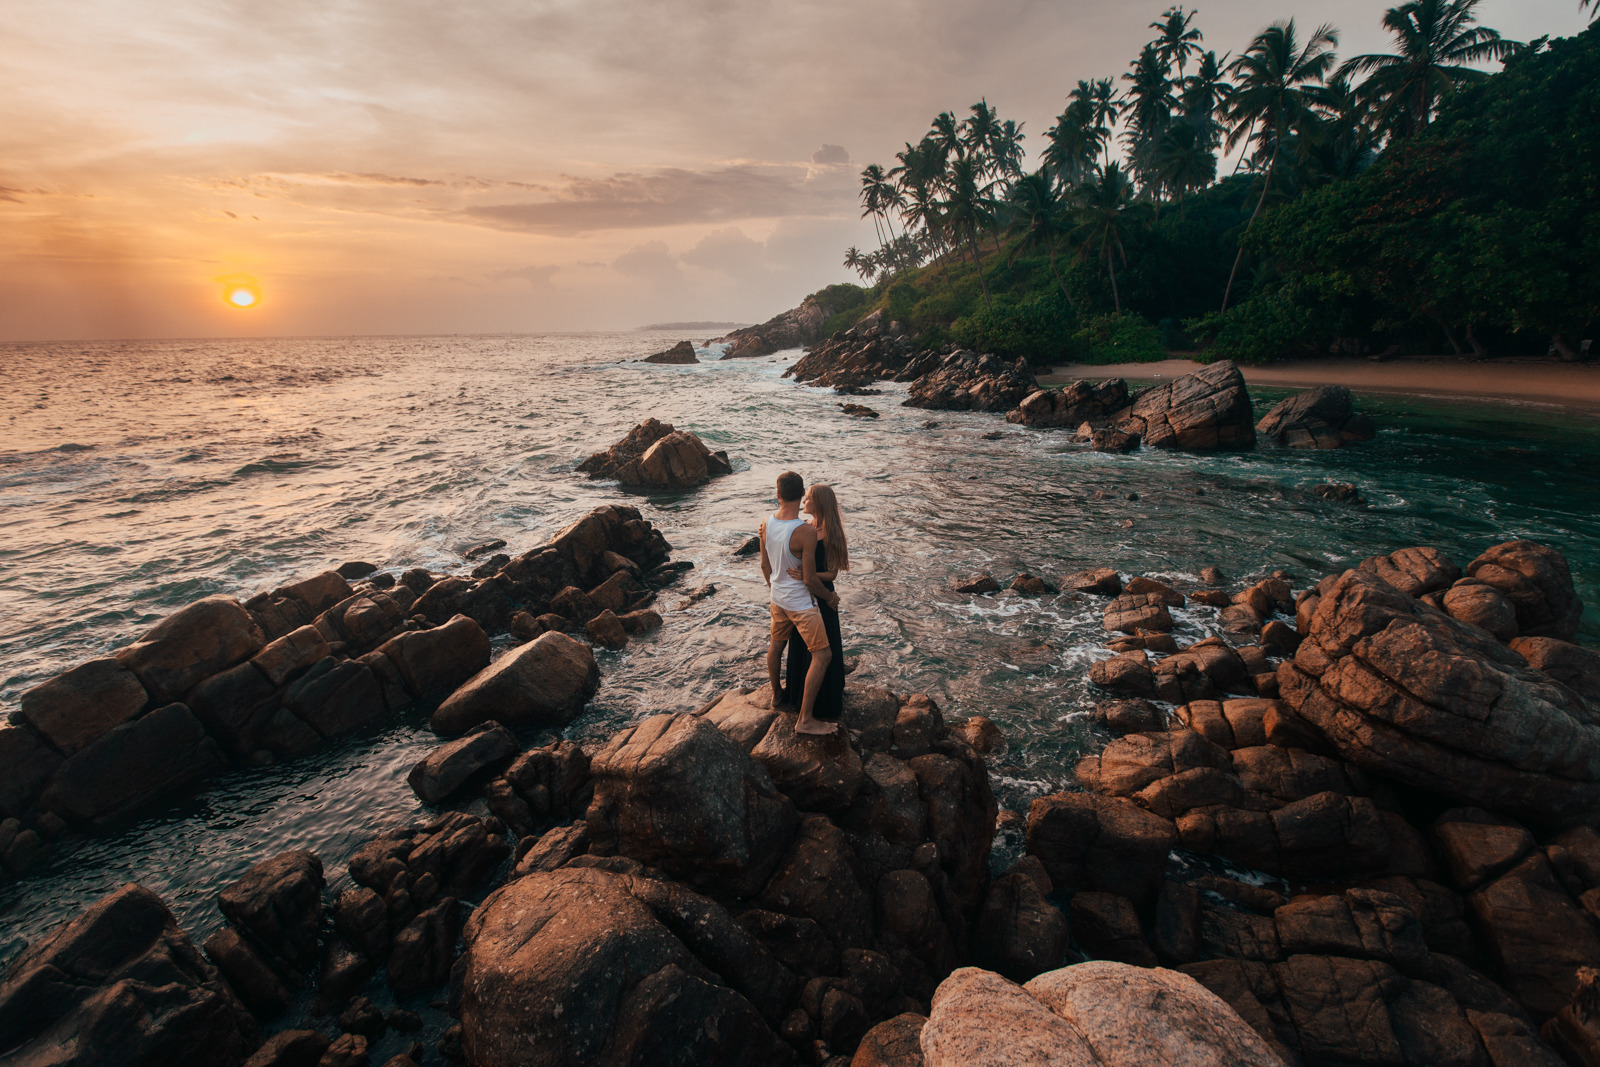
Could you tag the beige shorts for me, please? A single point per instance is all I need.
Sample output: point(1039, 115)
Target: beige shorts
point(808, 622)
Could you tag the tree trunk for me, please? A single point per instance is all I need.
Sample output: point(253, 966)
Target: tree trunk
point(1063, 285)
point(977, 262)
point(1448, 336)
point(1271, 166)
point(1564, 348)
point(1116, 300)
point(1479, 349)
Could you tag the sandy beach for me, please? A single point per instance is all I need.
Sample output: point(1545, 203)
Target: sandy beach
point(1564, 385)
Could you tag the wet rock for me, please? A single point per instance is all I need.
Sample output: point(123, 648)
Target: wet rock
point(72, 709)
point(1102, 581)
point(346, 1050)
point(1030, 585)
point(277, 905)
point(132, 765)
point(337, 697)
point(26, 763)
point(682, 352)
point(291, 655)
point(1112, 439)
point(1128, 674)
point(1097, 1013)
point(1101, 843)
point(249, 975)
point(1538, 582)
point(860, 411)
point(980, 583)
point(361, 916)
point(968, 381)
point(607, 631)
point(290, 1048)
point(1132, 612)
point(190, 645)
point(1071, 404)
point(1204, 411)
point(454, 764)
point(790, 329)
point(1018, 932)
point(424, 949)
point(1406, 692)
point(980, 734)
point(675, 793)
point(363, 1017)
point(1338, 493)
point(121, 983)
point(657, 456)
point(1130, 716)
point(1323, 417)
point(543, 683)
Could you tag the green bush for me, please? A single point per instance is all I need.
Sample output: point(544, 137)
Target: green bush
point(1037, 329)
point(1269, 325)
point(1125, 338)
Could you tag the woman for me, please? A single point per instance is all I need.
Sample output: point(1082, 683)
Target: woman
point(833, 556)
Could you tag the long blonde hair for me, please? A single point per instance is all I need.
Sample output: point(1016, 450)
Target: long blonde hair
point(831, 525)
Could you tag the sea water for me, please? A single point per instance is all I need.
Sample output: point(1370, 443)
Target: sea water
point(137, 477)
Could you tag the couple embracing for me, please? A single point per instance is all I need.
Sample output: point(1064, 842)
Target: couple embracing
point(800, 560)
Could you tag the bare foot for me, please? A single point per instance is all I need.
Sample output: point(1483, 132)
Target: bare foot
point(815, 726)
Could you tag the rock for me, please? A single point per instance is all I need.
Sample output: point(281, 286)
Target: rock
point(657, 456)
point(818, 773)
point(1110, 439)
point(1406, 692)
point(1106, 927)
point(425, 948)
point(290, 1048)
point(895, 1042)
point(606, 630)
point(363, 1017)
point(980, 733)
point(1132, 612)
point(1338, 493)
point(1128, 674)
point(1029, 585)
point(1102, 581)
point(1204, 411)
point(1097, 1014)
point(72, 709)
point(1130, 716)
point(1538, 582)
point(871, 350)
point(249, 975)
point(749, 547)
point(546, 682)
point(131, 766)
point(1323, 417)
point(439, 659)
point(967, 381)
point(978, 583)
point(1477, 846)
point(682, 352)
point(362, 918)
point(1414, 571)
point(1325, 835)
point(1575, 667)
point(571, 967)
point(291, 655)
point(190, 645)
point(1071, 404)
point(121, 984)
point(26, 763)
point(346, 1050)
point(1478, 604)
point(640, 622)
point(1535, 933)
point(277, 905)
point(1018, 932)
point(791, 329)
point(455, 763)
point(1101, 843)
point(859, 411)
point(675, 793)
point(337, 697)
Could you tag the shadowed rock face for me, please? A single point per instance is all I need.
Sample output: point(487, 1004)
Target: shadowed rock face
point(967, 381)
point(1538, 582)
point(1405, 691)
point(682, 352)
point(1071, 404)
point(1201, 412)
point(790, 329)
point(1323, 417)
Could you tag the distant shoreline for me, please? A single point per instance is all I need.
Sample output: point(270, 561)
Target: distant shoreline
point(695, 326)
point(1573, 386)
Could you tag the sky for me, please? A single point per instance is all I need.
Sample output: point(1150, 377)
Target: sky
point(508, 166)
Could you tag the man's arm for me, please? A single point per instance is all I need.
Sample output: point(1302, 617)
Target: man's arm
point(766, 564)
point(807, 535)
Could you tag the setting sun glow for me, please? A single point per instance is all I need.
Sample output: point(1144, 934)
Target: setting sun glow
point(241, 298)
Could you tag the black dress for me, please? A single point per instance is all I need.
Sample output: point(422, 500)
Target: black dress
point(830, 700)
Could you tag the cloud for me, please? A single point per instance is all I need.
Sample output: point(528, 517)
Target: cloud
point(731, 251)
point(651, 262)
point(830, 153)
point(538, 277)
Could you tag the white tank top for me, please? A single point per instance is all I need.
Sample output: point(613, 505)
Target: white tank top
point(788, 593)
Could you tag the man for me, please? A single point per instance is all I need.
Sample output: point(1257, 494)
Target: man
point(788, 541)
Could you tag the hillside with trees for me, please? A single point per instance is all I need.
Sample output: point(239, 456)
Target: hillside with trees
point(1410, 201)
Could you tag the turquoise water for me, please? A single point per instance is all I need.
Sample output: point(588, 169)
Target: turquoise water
point(137, 477)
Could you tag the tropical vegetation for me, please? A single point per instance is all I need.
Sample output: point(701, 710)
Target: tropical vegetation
point(1415, 200)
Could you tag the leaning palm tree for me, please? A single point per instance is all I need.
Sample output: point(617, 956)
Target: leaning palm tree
point(1105, 212)
point(856, 261)
point(1271, 91)
point(1593, 15)
point(1434, 41)
point(945, 133)
point(1175, 42)
point(879, 196)
point(1039, 208)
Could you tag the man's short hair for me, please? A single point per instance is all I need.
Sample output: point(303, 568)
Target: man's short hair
point(790, 486)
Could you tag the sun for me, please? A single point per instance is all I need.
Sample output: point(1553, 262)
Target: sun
point(241, 297)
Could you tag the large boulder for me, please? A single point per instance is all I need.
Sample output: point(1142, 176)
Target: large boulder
point(1323, 417)
point(190, 645)
point(570, 967)
point(26, 763)
point(968, 381)
point(682, 352)
point(1109, 844)
point(121, 984)
point(277, 905)
point(1200, 412)
point(789, 329)
point(436, 660)
point(545, 683)
point(676, 793)
point(131, 766)
point(1071, 404)
point(1538, 582)
point(456, 763)
point(657, 456)
point(74, 708)
point(1405, 691)
point(1096, 1014)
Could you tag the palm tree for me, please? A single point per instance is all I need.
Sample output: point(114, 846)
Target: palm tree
point(967, 206)
point(1105, 212)
point(1433, 39)
point(1035, 200)
point(1271, 91)
point(1074, 143)
point(1339, 142)
point(854, 260)
point(977, 134)
point(1107, 106)
point(1005, 146)
point(1175, 42)
point(1595, 14)
point(1149, 108)
point(946, 135)
point(1183, 160)
point(1205, 93)
point(879, 196)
